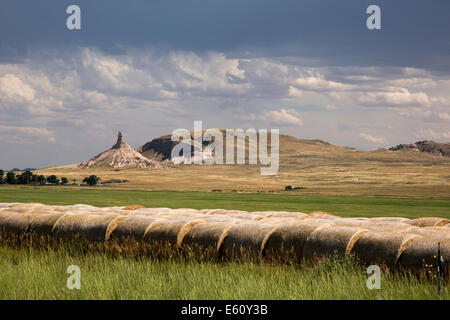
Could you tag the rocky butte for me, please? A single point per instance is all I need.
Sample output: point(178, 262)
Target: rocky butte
point(121, 155)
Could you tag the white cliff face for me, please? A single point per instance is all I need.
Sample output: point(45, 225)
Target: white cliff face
point(121, 155)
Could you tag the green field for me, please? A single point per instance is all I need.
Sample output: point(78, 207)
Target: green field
point(349, 206)
point(41, 273)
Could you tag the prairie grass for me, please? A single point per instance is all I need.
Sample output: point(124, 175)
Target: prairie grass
point(40, 273)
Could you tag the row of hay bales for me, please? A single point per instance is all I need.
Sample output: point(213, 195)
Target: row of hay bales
point(384, 240)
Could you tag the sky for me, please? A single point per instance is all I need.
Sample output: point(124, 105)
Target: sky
point(310, 68)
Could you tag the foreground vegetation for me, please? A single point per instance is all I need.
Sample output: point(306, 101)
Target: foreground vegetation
point(345, 206)
point(42, 274)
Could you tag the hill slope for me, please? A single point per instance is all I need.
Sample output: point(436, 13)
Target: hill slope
point(434, 148)
point(317, 166)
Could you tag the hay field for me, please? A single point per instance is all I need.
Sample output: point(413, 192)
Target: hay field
point(41, 274)
point(318, 166)
point(344, 206)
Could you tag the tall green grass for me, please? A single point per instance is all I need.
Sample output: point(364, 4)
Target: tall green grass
point(42, 274)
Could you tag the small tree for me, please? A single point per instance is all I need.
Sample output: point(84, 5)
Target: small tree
point(91, 180)
point(11, 178)
point(2, 173)
point(41, 179)
point(64, 180)
point(53, 179)
point(25, 177)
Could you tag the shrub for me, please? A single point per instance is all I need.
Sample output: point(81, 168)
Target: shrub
point(288, 188)
point(11, 178)
point(25, 177)
point(53, 179)
point(64, 180)
point(91, 180)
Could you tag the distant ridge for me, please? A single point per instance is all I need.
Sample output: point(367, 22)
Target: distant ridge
point(434, 148)
point(20, 170)
point(120, 155)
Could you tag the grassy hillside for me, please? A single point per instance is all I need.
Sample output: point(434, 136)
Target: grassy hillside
point(316, 165)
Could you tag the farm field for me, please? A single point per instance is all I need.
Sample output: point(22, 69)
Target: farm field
point(344, 206)
point(41, 274)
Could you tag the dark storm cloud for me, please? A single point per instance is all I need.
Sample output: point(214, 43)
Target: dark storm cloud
point(414, 32)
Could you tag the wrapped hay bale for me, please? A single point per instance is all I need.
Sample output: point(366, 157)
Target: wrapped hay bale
point(222, 211)
point(429, 222)
point(183, 215)
point(138, 212)
point(247, 238)
point(221, 218)
point(18, 209)
point(329, 240)
point(373, 225)
point(422, 252)
point(16, 223)
point(207, 235)
point(285, 214)
point(185, 211)
point(43, 225)
point(149, 211)
point(133, 207)
point(435, 233)
point(323, 215)
point(390, 219)
point(78, 207)
point(382, 247)
point(170, 231)
point(133, 227)
point(86, 227)
point(351, 222)
point(246, 216)
point(278, 221)
point(292, 236)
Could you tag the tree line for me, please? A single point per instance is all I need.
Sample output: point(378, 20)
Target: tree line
point(28, 177)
